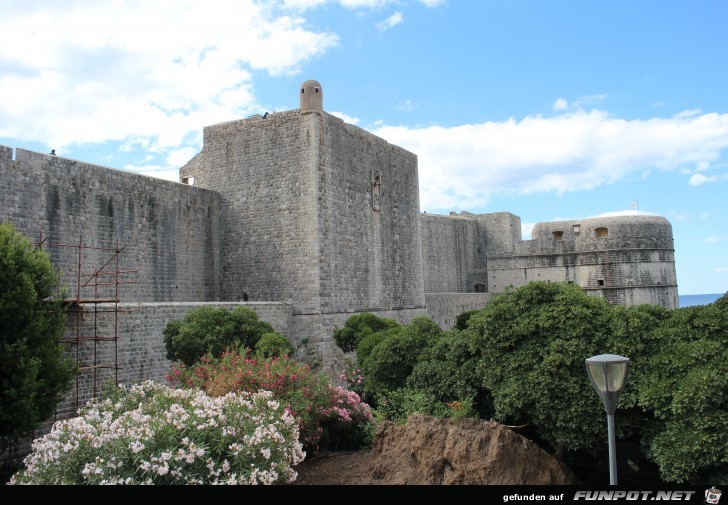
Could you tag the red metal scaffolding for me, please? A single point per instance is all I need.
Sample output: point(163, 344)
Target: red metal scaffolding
point(96, 295)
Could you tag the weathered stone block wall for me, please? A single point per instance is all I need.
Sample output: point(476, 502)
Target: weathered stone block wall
point(501, 229)
point(169, 232)
point(444, 308)
point(140, 352)
point(265, 171)
point(453, 253)
point(631, 261)
point(368, 194)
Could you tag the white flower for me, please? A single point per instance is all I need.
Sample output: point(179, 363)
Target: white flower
point(136, 446)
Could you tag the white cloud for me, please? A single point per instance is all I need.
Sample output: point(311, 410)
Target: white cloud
point(687, 113)
point(166, 174)
point(698, 179)
point(463, 165)
point(681, 217)
point(715, 240)
point(720, 269)
point(357, 4)
point(561, 104)
point(702, 166)
point(346, 118)
point(302, 4)
point(526, 230)
point(98, 71)
point(179, 157)
point(390, 22)
point(585, 101)
point(704, 215)
point(352, 4)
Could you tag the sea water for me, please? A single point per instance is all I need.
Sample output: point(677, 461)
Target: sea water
point(689, 300)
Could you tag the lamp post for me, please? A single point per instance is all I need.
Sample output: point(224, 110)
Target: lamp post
point(608, 374)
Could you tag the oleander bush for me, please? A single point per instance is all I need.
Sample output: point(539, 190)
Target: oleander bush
point(328, 416)
point(152, 434)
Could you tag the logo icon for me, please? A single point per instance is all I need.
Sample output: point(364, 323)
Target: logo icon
point(712, 496)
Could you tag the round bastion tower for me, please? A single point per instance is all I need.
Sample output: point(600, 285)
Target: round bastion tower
point(312, 97)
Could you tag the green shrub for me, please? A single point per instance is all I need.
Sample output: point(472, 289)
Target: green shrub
point(207, 330)
point(34, 372)
point(151, 434)
point(275, 344)
point(446, 371)
point(364, 349)
point(397, 405)
point(392, 360)
point(359, 326)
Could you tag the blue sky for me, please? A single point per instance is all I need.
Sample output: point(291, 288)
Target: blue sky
point(549, 110)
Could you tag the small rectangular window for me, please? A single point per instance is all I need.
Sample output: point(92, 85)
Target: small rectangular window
point(601, 233)
point(558, 235)
point(600, 282)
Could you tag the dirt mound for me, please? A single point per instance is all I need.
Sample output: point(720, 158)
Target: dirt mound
point(429, 450)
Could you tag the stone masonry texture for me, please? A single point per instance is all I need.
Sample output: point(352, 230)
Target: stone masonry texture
point(306, 219)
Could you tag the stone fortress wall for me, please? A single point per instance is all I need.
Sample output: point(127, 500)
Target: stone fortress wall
point(307, 220)
point(628, 260)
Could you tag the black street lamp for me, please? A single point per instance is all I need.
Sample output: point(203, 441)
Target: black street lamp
point(608, 374)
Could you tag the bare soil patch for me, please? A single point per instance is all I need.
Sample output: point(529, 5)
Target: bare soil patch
point(429, 450)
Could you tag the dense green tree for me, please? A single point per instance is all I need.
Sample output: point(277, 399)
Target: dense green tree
point(358, 327)
point(447, 372)
point(391, 360)
point(34, 371)
point(212, 330)
point(686, 387)
point(521, 358)
point(461, 321)
point(532, 343)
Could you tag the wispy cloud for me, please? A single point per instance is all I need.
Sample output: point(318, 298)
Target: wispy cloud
point(698, 179)
point(568, 152)
point(715, 240)
point(720, 269)
point(579, 103)
point(561, 104)
point(390, 22)
point(346, 118)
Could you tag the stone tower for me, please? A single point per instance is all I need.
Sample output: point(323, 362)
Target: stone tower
point(317, 213)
